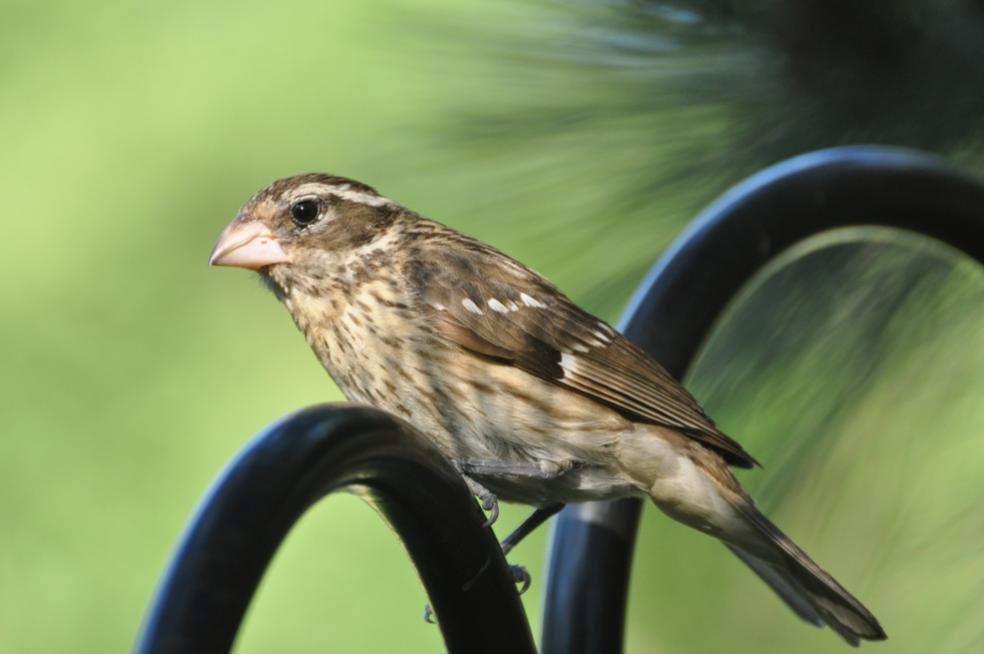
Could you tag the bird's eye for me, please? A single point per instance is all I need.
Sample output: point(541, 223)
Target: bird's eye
point(304, 212)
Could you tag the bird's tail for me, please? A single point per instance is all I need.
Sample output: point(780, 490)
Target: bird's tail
point(806, 588)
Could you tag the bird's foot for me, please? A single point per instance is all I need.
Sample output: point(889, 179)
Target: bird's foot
point(521, 577)
point(487, 498)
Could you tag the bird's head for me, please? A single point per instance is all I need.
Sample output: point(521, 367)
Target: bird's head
point(303, 221)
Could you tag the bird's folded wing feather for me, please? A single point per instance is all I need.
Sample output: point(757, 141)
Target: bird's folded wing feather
point(489, 304)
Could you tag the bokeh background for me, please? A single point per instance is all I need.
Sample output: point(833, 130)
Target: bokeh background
point(579, 136)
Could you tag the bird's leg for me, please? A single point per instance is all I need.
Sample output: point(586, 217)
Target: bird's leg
point(489, 501)
point(529, 470)
point(534, 520)
point(519, 573)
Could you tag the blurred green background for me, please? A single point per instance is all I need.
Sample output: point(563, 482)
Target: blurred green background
point(130, 133)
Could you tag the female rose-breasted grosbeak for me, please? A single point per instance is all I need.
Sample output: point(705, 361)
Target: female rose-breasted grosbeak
point(532, 398)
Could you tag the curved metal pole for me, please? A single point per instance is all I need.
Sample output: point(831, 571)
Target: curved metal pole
point(682, 298)
point(317, 451)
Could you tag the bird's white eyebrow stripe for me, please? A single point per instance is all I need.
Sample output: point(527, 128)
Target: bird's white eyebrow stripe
point(362, 198)
point(471, 306)
point(343, 191)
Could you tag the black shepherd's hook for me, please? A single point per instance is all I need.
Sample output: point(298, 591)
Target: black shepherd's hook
point(676, 308)
point(320, 450)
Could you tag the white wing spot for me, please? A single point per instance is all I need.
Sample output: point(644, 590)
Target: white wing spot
point(602, 336)
point(513, 306)
point(581, 348)
point(495, 305)
point(531, 301)
point(439, 306)
point(567, 362)
point(471, 306)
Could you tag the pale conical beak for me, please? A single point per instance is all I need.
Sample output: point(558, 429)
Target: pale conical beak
point(247, 245)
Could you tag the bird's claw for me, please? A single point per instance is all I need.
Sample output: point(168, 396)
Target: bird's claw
point(521, 576)
point(488, 499)
point(491, 504)
point(429, 615)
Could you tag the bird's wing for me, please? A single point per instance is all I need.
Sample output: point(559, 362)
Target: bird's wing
point(491, 305)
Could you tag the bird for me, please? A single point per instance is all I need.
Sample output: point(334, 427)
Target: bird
point(532, 399)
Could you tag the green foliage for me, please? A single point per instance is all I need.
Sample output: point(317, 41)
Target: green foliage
point(132, 132)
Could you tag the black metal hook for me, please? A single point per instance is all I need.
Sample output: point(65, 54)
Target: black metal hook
point(680, 301)
point(289, 467)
